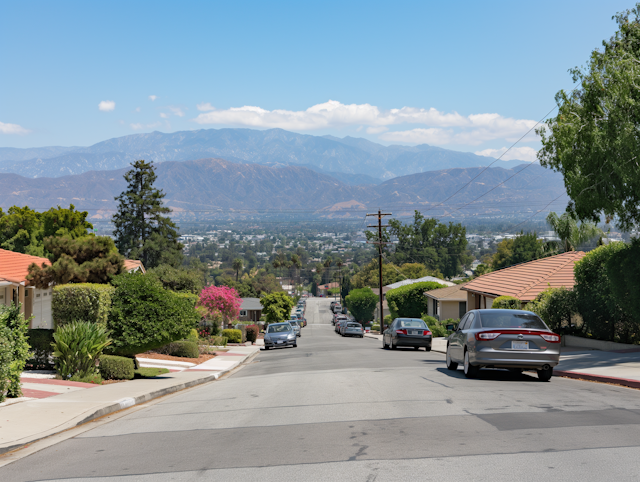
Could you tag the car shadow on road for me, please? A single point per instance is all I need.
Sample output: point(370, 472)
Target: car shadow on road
point(494, 374)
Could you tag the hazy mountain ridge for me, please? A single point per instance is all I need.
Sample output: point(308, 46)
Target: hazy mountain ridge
point(208, 188)
point(326, 154)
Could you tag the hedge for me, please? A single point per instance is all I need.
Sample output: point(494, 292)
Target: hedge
point(14, 349)
point(233, 336)
point(184, 348)
point(409, 301)
point(145, 316)
point(40, 341)
point(81, 302)
point(362, 303)
point(116, 367)
point(252, 333)
point(506, 303)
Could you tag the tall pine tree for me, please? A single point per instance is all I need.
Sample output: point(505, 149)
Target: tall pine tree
point(142, 232)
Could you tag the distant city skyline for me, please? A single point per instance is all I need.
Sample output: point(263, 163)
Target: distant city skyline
point(470, 77)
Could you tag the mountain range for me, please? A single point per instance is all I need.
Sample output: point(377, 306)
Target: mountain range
point(218, 188)
point(353, 161)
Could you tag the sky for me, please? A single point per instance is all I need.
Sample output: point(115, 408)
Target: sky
point(464, 75)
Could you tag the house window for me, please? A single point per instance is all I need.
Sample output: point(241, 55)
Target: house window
point(462, 308)
point(243, 312)
point(435, 308)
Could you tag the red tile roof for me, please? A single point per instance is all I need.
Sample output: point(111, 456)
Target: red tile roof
point(525, 281)
point(14, 267)
point(133, 264)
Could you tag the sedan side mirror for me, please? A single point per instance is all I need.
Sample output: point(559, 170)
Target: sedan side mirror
point(449, 327)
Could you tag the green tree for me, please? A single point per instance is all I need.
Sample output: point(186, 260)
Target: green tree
point(277, 306)
point(571, 233)
point(593, 140)
point(623, 272)
point(362, 304)
point(522, 248)
point(237, 266)
point(409, 300)
point(89, 259)
point(178, 279)
point(141, 230)
point(438, 246)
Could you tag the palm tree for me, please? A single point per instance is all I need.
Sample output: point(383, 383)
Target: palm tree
point(295, 262)
point(571, 233)
point(327, 264)
point(237, 265)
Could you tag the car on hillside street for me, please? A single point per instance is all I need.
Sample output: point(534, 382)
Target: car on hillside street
point(513, 339)
point(411, 332)
point(351, 328)
point(297, 327)
point(280, 335)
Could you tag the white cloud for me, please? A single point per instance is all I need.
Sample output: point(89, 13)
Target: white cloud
point(377, 130)
point(106, 105)
point(442, 128)
point(6, 128)
point(163, 115)
point(515, 153)
point(177, 111)
point(138, 126)
point(153, 97)
point(137, 109)
point(205, 106)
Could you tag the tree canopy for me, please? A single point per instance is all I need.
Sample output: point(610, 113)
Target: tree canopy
point(141, 230)
point(593, 140)
point(524, 247)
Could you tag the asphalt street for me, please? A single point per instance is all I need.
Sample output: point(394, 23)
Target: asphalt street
point(339, 408)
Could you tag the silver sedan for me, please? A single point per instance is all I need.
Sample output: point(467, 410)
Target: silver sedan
point(513, 339)
point(280, 335)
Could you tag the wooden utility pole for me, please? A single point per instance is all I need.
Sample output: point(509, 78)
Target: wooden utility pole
point(380, 243)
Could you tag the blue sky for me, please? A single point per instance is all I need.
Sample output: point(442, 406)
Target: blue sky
point(467, 75)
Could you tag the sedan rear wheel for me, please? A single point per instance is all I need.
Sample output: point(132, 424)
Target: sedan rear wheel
point(545, 375)
point(469, 370)
point(451, 365)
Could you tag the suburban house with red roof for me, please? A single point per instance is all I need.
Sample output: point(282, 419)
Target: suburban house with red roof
point(524, 281)
point(14, 286)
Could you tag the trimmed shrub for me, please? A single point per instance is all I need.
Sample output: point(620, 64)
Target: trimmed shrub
point(77, 347)
point(252, 333)
point(234, 336)
point(5, 359)
point(81, 302)
point(556, 307)
point(40, 341)
point(116, 367)
point(185, 349)
point(437, 327)
point(13, 337)
point(506, 303)
point(409, 301)
point(193, 335)
point(144, 316)
point(362, 303)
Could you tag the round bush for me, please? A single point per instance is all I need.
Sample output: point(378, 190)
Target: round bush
point(116, 367)
point(185, 349)
point(506, 303)
point(252, 333)
point(233, 336)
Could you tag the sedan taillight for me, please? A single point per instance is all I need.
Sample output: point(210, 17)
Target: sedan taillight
point(401, 332)
point(426, 333)
point(487, 335)
point(551, 337)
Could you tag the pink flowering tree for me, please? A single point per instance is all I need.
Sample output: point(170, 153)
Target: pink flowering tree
point(220, 303)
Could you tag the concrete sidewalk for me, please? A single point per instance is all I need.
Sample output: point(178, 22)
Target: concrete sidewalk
point(619, 368)
point(31, 420)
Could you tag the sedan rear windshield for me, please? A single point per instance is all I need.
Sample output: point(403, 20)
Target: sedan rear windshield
point(511, 320)
point(278, 328)
point(412, 324)
point(353, 325)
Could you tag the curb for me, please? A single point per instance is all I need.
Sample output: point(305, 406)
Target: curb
point(125, 403)
point(624, 382)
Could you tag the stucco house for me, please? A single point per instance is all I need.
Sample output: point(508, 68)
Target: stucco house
point(523, 281)
point(250, 309)
point(14, 287)
point(449, 302)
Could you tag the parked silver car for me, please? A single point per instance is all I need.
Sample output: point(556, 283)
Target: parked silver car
point(352, 328)
point(280, 335)
point(296, 327)
point(411, 332)
point(513, 339)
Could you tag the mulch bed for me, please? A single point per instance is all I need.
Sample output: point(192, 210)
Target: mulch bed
point(158, 356)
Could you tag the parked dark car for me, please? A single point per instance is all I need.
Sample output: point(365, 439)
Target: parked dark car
point(412, 332)
point(514, 339)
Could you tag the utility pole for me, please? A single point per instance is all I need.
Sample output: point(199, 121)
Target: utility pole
point(379, 243)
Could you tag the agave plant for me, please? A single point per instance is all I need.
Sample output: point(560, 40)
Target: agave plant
point(77, 347)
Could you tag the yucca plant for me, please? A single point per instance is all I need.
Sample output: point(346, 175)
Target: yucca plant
point(77, 346)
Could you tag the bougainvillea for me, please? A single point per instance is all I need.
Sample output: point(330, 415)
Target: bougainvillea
point(221, 301)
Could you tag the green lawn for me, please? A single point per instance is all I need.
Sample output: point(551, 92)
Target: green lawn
point(149, 372)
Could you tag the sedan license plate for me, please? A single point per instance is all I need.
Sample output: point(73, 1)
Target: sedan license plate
point(414, 332)
point(519, 345)
point(280, 341)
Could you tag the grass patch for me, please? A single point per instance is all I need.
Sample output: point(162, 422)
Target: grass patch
point(149, 372)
